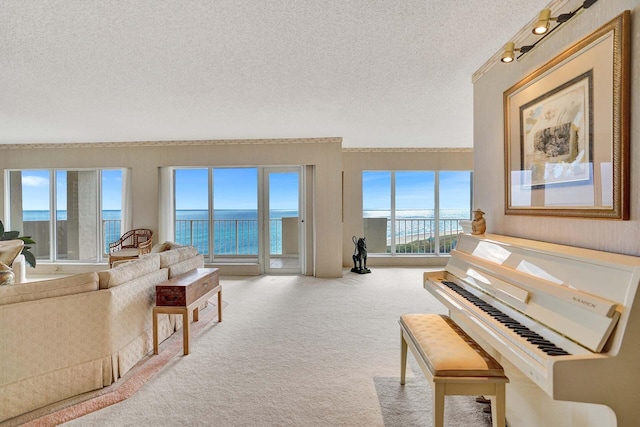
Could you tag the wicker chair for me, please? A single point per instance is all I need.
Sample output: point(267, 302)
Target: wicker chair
point(131, 245)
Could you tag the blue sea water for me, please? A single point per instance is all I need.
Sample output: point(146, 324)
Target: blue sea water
point(62, 215)
point(236, 230)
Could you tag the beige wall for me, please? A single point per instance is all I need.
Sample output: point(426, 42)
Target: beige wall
point(607, 235)
point(357, 160)
point(324, 155)
point(529, 405)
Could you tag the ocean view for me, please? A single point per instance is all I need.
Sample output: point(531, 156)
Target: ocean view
point(195, 214)
point(236, 230)
point(200, 214)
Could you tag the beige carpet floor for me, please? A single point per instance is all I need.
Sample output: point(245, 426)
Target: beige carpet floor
point(297, 351)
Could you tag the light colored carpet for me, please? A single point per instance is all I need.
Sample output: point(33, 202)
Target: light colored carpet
point(297, 351)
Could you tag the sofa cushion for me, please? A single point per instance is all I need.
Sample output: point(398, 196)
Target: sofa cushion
point(128, 252)
point(176, 255)
point(160, 247)
point(186, 265)
point(31, 291)
point(172, 245)
point(128, 271)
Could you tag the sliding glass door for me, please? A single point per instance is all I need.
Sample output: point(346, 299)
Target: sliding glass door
point(282, 221)
point(242, 214)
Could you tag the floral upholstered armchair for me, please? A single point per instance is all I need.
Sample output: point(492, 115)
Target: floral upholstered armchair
point(131, 245)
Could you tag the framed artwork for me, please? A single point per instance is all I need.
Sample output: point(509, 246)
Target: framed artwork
point(556, 138)
point(566, 131)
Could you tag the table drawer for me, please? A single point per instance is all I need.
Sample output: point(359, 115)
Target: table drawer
point(183, 290)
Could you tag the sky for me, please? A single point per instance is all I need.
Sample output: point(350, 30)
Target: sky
point(415, 190)
point(36, 192)
point(237, 188)
point(234, 188)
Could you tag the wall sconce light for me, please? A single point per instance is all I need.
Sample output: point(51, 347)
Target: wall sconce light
point(541, 27)
point(509, 51)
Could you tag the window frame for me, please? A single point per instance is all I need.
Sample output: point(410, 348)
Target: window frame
point(53, 256)
point(392, 229)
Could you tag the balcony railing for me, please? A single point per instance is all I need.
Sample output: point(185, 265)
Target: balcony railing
point(240, 237)
point(231, 236)
point(110, 232)
point(235, 237)
point(41, 233)
point(418, 235)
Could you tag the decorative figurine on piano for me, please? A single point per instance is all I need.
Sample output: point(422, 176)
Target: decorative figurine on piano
point(360, 256)
point(479, 224)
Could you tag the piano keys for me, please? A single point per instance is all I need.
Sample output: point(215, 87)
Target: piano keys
point(518, 328)
point(566, 317)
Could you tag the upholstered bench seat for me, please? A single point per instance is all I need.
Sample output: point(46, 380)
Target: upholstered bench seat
point(452, 361)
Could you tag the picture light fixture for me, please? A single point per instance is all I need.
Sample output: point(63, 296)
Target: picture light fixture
point(541, 27)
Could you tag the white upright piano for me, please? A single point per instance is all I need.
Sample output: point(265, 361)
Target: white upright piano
point(567, 318)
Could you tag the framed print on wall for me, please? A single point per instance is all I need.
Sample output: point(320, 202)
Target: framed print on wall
point(566, 131)
point(556, 133)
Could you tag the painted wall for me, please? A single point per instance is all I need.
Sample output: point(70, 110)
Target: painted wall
point(607, 235)
point(144, 159)
point(527, 404)
point(357, 160)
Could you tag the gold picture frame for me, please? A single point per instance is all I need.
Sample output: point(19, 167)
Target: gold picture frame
point(566, 131)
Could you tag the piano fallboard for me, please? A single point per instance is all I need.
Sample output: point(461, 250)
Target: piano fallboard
point(563, 316)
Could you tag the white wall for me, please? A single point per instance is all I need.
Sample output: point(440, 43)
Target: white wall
point(489, 185)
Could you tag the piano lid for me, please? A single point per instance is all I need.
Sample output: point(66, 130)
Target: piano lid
point(579, 293)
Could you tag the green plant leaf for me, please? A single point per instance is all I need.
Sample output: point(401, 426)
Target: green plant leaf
point(27, 240)
point(10, 235)
point(29, 257)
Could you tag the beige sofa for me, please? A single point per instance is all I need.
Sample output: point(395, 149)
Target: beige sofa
point(64, 337)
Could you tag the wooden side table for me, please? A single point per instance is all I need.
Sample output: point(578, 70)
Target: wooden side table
point(183, 294)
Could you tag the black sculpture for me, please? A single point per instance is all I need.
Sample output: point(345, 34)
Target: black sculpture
point(360, 256)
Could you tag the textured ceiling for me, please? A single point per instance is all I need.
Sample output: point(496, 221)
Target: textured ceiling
point(378, 73)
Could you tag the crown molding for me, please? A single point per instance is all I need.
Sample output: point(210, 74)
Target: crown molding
point(407, 150)
point(136, 144)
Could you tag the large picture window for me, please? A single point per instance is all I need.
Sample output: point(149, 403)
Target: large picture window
point(192, 208)
point(414, 212)
point(224, 197)
point(72, 215)
point(240, 214)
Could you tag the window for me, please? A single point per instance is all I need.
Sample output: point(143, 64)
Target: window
point(414, 221)
point(71, 214)
point(377, 219)
point(414, 212)
point(454, 205)
point(234, 215)
point(192, 208)
point(112, 212)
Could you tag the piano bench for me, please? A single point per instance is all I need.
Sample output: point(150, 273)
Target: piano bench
point(452, 361)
